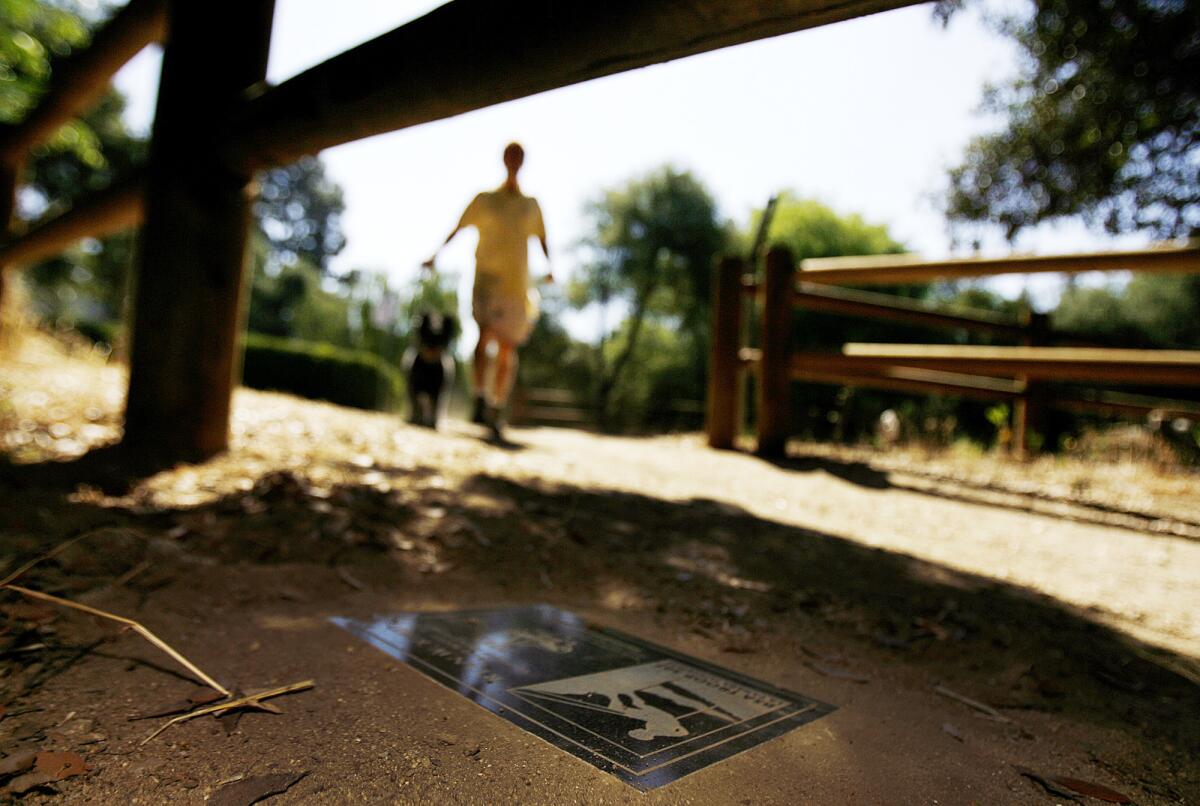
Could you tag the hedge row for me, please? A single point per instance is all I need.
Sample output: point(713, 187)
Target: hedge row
point(322, 372)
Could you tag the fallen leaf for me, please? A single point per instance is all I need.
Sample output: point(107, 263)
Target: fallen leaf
point(1047, 784)
point(17, 762)
point(252, 790)
point(30, 780)
point(61, 765)
point(1092, 790)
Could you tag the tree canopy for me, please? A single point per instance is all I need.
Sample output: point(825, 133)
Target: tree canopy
point(1102, 121)
point(651, 248)
point(299, 210)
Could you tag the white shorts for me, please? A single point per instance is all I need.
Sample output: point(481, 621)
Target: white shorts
point(507, 316)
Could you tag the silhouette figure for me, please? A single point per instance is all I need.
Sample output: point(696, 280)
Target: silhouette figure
point(502, 303)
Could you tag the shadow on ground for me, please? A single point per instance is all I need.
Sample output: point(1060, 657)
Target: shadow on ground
point(716, 569)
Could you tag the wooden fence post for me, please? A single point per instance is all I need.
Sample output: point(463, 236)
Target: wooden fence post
point(1029, 410)
point(192, 254)
point(774, 368)
point(722, 419)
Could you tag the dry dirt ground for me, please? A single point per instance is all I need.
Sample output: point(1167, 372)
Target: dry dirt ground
point(1066, 598)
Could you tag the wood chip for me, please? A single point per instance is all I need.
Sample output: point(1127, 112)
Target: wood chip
point(1092, 790)
point(1047, 784)
point(256, 788)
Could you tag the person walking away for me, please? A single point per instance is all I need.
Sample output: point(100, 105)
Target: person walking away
point(502, 301)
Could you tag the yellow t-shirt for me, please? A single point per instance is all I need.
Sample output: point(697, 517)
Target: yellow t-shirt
point(505, 222)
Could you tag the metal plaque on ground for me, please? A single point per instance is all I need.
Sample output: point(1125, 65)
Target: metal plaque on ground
point(641, 712)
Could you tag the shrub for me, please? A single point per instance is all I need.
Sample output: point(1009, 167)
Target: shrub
point(322, 372)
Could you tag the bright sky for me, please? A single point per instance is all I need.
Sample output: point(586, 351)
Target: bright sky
point(864, 115)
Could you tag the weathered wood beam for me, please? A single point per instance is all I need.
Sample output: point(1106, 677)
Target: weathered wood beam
point(921, 382)
point(1150, 367)
point(116, 208)
point(774, 367)
point(81, 79)
point(852, 302)
point(193, 247)
point(889, 269)
point(721, 420)
point(469, 54)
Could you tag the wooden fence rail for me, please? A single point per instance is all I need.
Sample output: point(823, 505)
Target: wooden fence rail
point(893, 269)
point(1018, 373)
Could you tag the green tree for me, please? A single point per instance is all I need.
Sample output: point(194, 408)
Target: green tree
point(1161, 311)
point(32, 33)
point(84, 155)
point(811, 229)
point(299, 210)
point(651, 252)
point(1102, 121)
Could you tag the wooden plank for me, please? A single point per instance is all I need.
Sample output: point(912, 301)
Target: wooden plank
point(80, 79)
point(774, 368)
point(192, 252)
point(900, 381)
point(106, 212)
point(889, 269)
point(852, 302)
point(1150, 367)
point(721, 419)
point(469, 54)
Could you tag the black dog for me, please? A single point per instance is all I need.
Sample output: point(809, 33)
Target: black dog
point(429, 366)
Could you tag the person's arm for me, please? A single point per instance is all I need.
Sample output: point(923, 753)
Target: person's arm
point(466, 220)
point(540, 227)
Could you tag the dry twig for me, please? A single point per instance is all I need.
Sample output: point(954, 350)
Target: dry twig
point(135, 626)
point(982, 708)
point(249, 701)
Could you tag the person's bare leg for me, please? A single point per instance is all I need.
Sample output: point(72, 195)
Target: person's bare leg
point(479, 371)
point(481, 361)
point(506, 372)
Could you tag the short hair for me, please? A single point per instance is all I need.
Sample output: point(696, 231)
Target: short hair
point(513, 151)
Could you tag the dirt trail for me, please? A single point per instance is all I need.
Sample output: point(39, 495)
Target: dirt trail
point(812, 574)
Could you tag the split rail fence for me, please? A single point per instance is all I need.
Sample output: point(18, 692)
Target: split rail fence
point(1018, 374)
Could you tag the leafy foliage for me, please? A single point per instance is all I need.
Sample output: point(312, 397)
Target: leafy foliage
point(651, 249)
point(32, 33)
point(299, 210)
point(810, 229)
point(1103, 121)
point(1161, 311)
point(87, 153)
